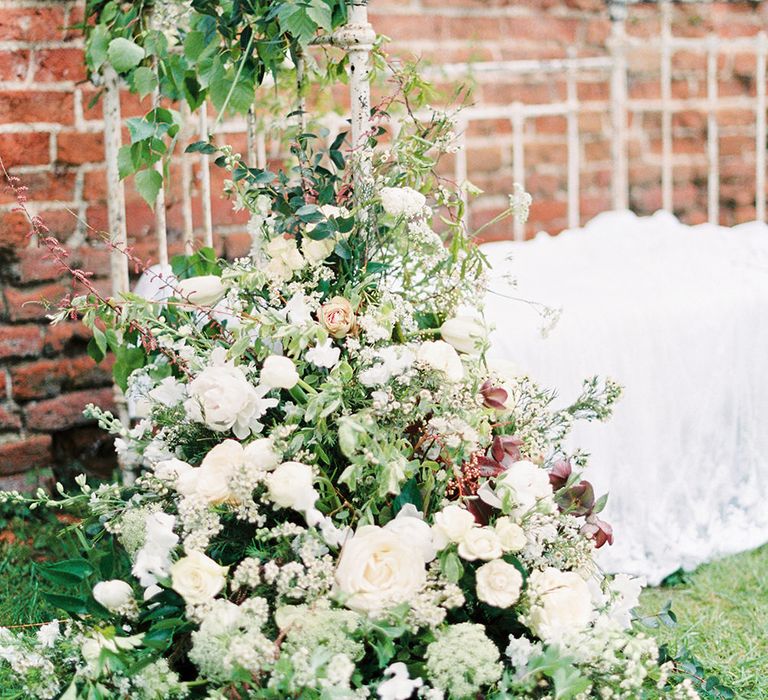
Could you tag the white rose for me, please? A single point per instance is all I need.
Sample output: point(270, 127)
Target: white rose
point(409, 524)
point(171, 469)
point(499, 583)
point(511, 535)
point(222, 397)
point(337, 316)
point(480, 543)
point(113, 595)
point(279, 372)
point(290, 486)
point(197, 578)
point(561, 604)
point(317, 251)
point(442, 357)
point(211, 480)
point(452, 524)
point(528, 485)
point(205, 290)
point(378, 570)
point(285, 258)
point(465, 333)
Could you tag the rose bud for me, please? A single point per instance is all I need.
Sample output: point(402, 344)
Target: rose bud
point(597, 530)
point(559, 474)
point(577, 500)
point(506, 446)
point(337, 316)
point(494, 396)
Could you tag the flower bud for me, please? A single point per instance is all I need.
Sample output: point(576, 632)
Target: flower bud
point(113, 595)
point(559, 474)
point(466, 333)
point(597, 530)
point(203, 291)
point(338, 316)
point(494, 396)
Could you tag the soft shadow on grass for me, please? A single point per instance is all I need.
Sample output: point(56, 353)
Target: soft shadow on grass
point(722, 614)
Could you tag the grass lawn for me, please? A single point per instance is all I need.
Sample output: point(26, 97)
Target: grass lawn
point(722, 608)
point(722, 615)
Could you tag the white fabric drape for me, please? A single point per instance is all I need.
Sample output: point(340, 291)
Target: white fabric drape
point(679, 316)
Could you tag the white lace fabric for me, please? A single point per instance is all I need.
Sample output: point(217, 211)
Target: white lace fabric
point(679, 316)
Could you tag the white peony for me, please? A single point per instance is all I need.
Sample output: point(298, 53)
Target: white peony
point(260, 455)
point(400, 685)
point(222, 397)
point(561, 604)
point(171, 469)
point(379, 569)
point(442, 357)
point(410, 525)
point(511, 535)
point(528, 486)
point(197, 578)
point(113, 595)
point(465, 333)
point(291, 486)
point(452, 524)
point(205, 290)
point(169, 392)
point(499, 583)
point(324, 354)
point(279, 372)
point(402, 201)
point(480, 543)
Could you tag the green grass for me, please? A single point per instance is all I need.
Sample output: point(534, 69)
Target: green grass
point(722, 614)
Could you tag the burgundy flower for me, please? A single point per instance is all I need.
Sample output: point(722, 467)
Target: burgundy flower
point(578, 499)
point(559, 474)
point(506, 446)
point(494, 396)
point(487, 466)
point(597, 530)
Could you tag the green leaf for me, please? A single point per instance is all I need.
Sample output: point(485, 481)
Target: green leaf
point(127, 360)
point(124, 54)
point(144, 81)
point(201, 147)
point(77, 568)
point(295, 20)
point(194, 45)
point(148, 184)
point(68, 603)
point(321, 14)
point(125, 165)
point(98, 43)
point(409, 493)
point(236, 97)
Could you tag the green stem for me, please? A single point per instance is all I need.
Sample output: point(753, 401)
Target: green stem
point(223, 109)
point(309, 389)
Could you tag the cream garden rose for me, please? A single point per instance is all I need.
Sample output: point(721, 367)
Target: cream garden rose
point(442, 357)
point(316, 251)
point(337, 316)
point(285, 258)
point(379, 569)
point(511, 535)
point(499, 583)
point(561, 604)
point(197, 578)
point(114, 595)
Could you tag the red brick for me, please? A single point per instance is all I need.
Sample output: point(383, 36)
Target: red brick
point(22, 455)
point(14, 230)
point(27, 482)
point(45, 378)
point(36, 265)
point(56, 65)
point(8, 421)
point(20, 341)
point(66, 411)
point(14, 65)
point(25, 149)
point(33, 303)
point(64, 337)
point(39, 106)
point(75, 148)
point(237, 245)
point(31, 24)
point(46, 186)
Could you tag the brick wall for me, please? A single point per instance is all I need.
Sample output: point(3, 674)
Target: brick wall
point(50, 135)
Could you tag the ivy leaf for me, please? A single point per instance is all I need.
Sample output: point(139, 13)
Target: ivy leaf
point(124, 54)
point(321, 14)
point(98, 42)
point(295, 20)
point(144, 81)
point(148, 184)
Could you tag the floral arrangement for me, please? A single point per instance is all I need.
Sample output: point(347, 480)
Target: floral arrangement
point(340, 493)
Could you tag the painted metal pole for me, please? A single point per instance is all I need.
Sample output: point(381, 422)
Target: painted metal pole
point(713, 151)
point(618, 11)
point(186, 187)
point(205, 180)
point(460, 166)
point(666, 111)
point(760, 126)
point(357, 39)
point(161, 225)
point(518, 161)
